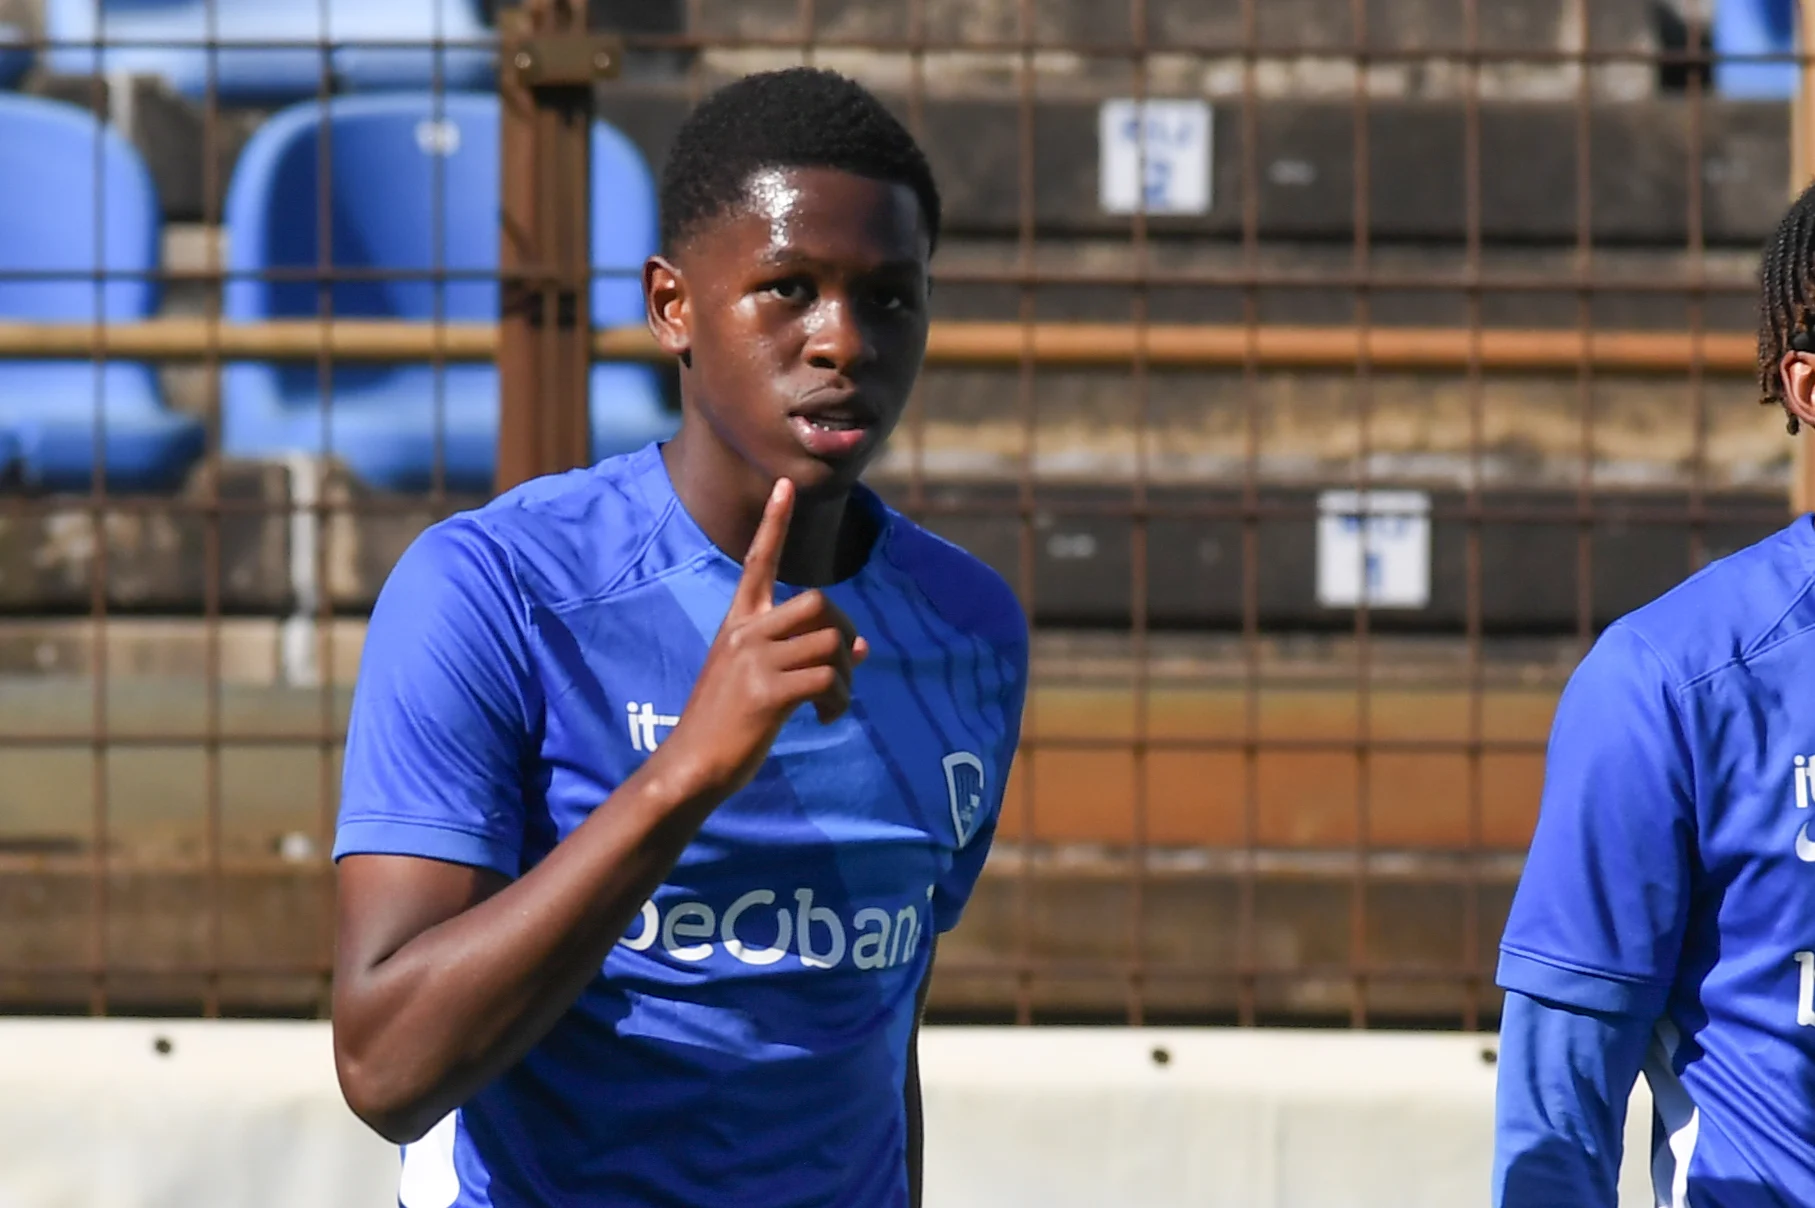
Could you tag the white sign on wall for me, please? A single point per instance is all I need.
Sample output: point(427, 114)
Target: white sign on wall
point(1154, 156)
point(1374, 546)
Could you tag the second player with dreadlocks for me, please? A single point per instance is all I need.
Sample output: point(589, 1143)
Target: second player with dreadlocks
point(1665, 921)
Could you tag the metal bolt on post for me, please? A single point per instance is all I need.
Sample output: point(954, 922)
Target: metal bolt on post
point(544, 348)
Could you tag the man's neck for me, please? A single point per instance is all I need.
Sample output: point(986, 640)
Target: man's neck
point(828, 538)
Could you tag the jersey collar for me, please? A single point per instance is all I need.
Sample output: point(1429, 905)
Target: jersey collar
point(653, 473)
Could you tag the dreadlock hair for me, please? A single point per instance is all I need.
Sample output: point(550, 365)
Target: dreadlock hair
point(1786, 292)
point(797, 118)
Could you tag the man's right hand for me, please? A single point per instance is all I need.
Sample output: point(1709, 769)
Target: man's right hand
point(766, 662)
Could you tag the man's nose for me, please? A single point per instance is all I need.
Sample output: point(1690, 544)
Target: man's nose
point(837, 340)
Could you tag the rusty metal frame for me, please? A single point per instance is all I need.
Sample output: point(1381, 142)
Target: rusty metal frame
point(951, 344)
point(549, 65)
point(1253, 779)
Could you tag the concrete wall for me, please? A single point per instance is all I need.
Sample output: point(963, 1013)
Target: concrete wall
point(146, 1114)
point(1191, 40)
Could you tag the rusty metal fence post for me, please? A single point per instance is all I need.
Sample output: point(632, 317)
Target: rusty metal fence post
point(1242, 797)
point(549, 63)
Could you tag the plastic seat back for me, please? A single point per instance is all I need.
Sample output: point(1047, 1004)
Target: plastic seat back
point(78, 244)
point(82, 201)
point(1754, 27)
point(392, 50)
point(145, 37)
point(412, 187)
point(412, 191)
point(15, 54)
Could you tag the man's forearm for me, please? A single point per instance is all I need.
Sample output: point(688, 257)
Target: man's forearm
point(418, 1030)
point(1565, 1076)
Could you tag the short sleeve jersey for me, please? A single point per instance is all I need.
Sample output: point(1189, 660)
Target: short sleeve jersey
point(745, 1043)
point(1672, 874)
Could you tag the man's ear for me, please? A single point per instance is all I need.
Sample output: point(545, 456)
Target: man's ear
point(1797, 370)
point(668, 309)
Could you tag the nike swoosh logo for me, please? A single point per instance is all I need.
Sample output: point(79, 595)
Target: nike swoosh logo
point(1805, 847)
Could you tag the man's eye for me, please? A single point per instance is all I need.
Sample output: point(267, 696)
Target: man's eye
point(791, 290)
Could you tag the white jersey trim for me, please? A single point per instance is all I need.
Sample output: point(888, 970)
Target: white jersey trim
point(1679, 1121)
point(429, 1179)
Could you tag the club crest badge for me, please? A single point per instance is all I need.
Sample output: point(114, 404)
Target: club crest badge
point(964, 786)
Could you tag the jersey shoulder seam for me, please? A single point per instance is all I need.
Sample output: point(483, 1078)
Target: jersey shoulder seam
point(915, 531)
point(617, 587)
point(614, 586)
point(636, 558)
point(1758, 646)
point(511, 569)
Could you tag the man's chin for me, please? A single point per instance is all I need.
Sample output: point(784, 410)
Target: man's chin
point(826, 476)
point(814, 479)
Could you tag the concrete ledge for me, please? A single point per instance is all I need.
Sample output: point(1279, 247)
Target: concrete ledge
point(266, 747)
point(281, 555)
point(1074, 936)
point(153, 553)
point(1160, 1117)
point(1645, 148)
point(1332, 24)
point(99, 1114)
point(1305, 154)
point(105, 850)
point(143, 1114)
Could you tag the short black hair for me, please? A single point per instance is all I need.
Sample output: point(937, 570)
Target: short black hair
point(1786, 291)
point(801, 117)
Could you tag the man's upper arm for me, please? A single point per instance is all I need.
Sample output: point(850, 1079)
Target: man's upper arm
point(442, 710)
point(1597, 921)
point(954, 888)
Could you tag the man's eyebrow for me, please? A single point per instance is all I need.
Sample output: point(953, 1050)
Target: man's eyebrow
point(784, 257)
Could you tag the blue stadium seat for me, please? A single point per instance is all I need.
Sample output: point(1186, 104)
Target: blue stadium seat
point(52, 241)
point(290, 68)
point(15, 54)
point(372, 65)
point(1754, 27)
point(414, 188)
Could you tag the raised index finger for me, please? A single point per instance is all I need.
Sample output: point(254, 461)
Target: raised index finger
point(756, 590)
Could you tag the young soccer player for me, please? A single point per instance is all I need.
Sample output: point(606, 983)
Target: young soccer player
point(663, 775)
point(1666, 917)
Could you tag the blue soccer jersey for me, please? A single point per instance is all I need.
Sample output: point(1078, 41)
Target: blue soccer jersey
point(746, 1041)
point(1672, 875)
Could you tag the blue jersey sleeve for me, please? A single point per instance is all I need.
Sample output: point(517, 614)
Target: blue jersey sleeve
point(442, 709)
point(954, 888)
point(1597, 919)
point(1565, 1077)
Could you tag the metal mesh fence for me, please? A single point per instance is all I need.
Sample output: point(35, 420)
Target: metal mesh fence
point(1323, 373)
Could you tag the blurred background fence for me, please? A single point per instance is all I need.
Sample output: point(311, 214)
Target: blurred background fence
point(1323, 373)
